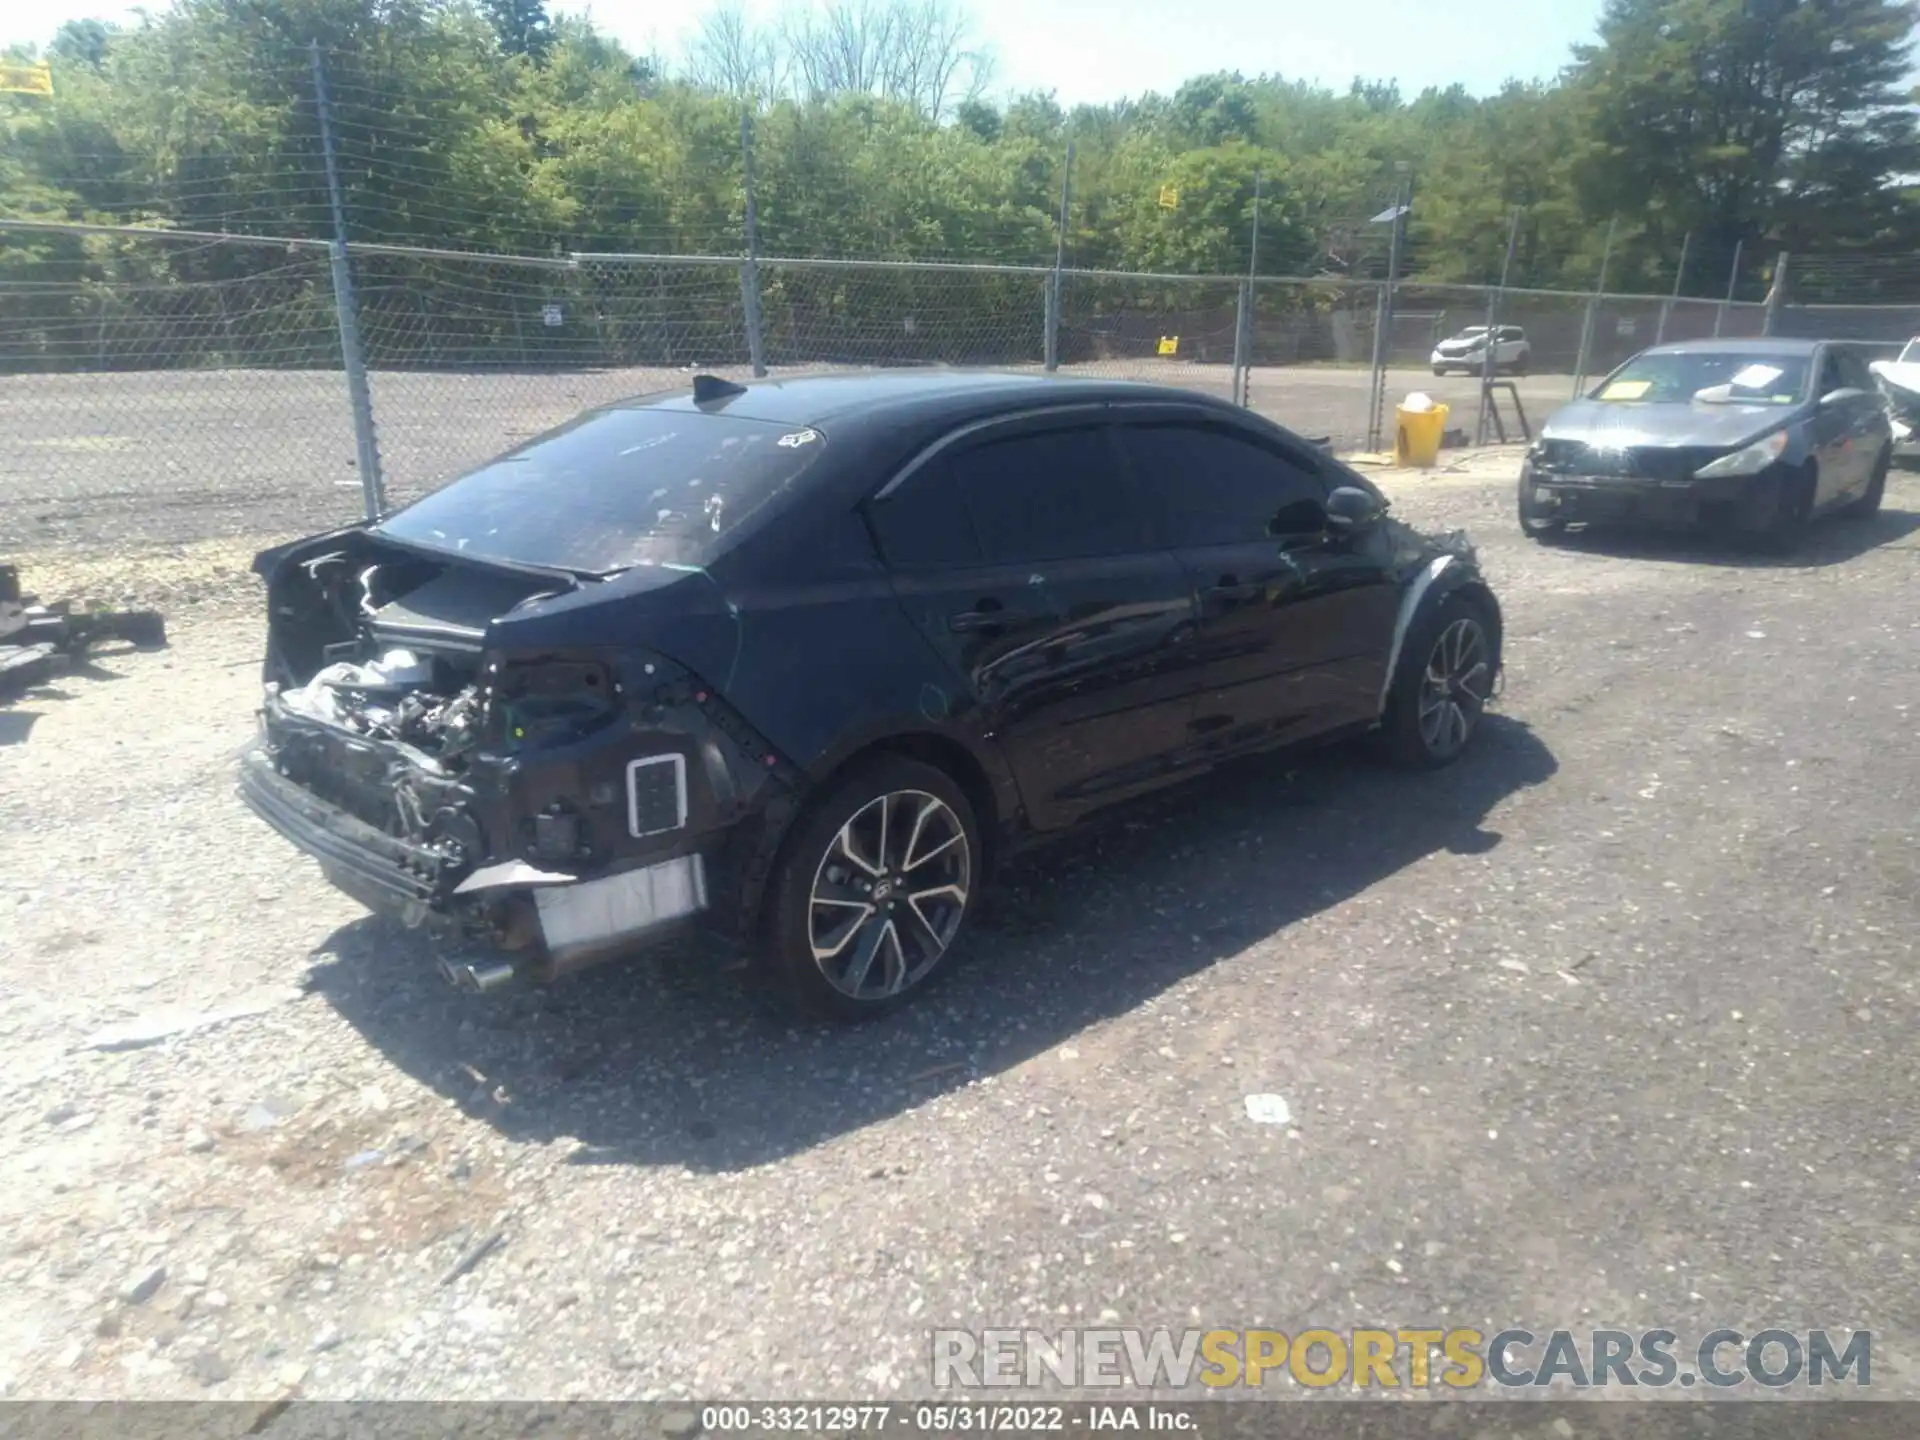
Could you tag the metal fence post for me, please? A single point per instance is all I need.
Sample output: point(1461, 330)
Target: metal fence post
point(1050, 306)
point(1733, 280)
point(1488, 369)
point(1055, 286)
point(1666, 310)
point(1383, 317)
point(1242, 324)
point(750, 267)
point(1776, 296)
point(373, 488)
point(1593, 305)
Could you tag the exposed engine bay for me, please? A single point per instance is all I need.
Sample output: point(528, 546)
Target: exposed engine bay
point(533, 797)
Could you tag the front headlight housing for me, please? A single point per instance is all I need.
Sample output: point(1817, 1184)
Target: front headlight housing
point(1749, 459)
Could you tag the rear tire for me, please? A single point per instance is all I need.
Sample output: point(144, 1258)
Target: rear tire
point(1440, 691)
point(1868, 505)
point(871, 890)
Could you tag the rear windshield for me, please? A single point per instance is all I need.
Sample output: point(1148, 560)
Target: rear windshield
point(1675, 378)
point(615, 488)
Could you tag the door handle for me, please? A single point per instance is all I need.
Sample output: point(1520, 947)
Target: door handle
point(986, 615)
point(1231, 590)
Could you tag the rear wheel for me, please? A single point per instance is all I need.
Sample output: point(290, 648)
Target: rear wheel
point(1868, 505)
point(1519, 367)
point(1444, 681)
point(872, 888)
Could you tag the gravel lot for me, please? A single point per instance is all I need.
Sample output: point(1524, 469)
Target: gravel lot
point(1610, 1024)
point(179, 456)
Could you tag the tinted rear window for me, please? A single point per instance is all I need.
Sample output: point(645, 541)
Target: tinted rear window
point(615, 488)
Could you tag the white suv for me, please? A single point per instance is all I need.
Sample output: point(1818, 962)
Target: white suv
point(1466, 352)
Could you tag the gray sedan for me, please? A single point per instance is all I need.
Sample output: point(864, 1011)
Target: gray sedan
point(1753, 436)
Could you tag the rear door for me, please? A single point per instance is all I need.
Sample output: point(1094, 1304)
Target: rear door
point(1834, 441)
point(1868, 431)
point(1294, 623)
point(1022, 555)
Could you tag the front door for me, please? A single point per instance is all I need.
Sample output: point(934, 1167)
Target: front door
point(1024, 560)
point(1294, 622)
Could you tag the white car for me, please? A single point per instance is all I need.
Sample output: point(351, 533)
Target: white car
point(1900, 383)
point(1467, 351)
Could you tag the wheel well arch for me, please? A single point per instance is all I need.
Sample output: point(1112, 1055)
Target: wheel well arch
point(944, 754)
point(760, 851)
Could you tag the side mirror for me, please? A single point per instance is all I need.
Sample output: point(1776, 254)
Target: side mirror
point(1841, 396)
point(1350, 509)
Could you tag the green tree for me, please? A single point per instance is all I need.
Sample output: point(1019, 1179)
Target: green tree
point(1748, 120)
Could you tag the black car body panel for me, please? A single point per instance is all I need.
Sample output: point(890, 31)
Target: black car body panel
point(1609, 459)
point(571, 762)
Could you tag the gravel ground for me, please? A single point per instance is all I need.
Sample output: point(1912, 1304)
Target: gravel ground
point(1609, 1024)
point(183, 456)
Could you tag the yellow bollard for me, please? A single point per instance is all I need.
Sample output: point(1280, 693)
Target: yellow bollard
point(1417, 435)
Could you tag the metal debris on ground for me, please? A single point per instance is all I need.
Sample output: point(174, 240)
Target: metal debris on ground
point(37, 641)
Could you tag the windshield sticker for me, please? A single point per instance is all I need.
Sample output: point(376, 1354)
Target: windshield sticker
point(1626, 390)
point(797, 439)
point(1756, 377)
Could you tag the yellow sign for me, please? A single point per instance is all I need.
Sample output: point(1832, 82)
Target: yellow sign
point(19, 77)
point(1626, 390)
point(1169, 344)
point(1169, 197)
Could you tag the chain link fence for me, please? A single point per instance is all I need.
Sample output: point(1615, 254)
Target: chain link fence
point(161, 387)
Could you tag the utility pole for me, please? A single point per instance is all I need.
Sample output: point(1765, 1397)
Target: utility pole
point(373, 492)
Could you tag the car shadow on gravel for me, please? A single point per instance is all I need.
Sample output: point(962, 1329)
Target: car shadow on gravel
point(1832, 541)
point(678, 1060)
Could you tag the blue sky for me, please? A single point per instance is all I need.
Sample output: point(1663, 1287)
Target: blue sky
point(1094, 50)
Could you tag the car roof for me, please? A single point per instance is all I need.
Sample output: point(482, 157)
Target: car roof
point(1765, 346)
point(903, 393)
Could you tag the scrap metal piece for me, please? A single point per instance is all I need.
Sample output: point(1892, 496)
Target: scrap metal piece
point(41, 637)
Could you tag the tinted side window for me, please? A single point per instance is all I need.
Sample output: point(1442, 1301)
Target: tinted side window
point(1854, 372)
point(1214, 488)
point(1832, 373)
point(924, 524)
point(1048, 496)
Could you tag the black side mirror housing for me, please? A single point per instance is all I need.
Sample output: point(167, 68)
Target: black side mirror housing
point(1351, 509)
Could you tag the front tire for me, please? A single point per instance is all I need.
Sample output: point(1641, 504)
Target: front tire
point(1868, 505)
point(871, 889)
point(1445, 679)
point(1792, 512)
point(1440, 370)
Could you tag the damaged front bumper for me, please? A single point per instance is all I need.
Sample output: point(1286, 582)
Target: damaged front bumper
point(1739, 502)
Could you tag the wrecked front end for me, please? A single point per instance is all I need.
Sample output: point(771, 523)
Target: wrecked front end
point(562, 802)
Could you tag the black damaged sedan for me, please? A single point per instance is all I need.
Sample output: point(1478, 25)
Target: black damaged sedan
point(800, 661)
point(1749, 437)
